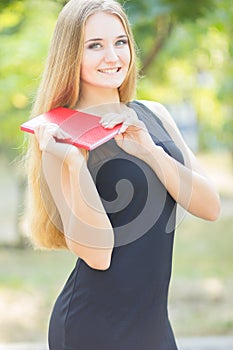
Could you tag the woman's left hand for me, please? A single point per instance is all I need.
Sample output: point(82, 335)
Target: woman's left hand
point(133, 137)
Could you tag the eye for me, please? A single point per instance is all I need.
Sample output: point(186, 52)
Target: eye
point(122, 42)
point(94, 46)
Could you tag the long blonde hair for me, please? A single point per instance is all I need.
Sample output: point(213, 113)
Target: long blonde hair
point(60, 86)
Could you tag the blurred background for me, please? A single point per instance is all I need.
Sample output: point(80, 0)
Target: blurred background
point(185, 55)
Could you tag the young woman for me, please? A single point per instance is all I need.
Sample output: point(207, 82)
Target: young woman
point(114, 207)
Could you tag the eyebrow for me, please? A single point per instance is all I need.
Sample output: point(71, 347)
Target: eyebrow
point(100, 39)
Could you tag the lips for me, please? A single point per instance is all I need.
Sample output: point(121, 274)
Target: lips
point(110, 70)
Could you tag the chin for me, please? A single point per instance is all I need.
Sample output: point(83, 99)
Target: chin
point(112, 85)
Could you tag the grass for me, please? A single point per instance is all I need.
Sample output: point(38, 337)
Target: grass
point(204, 249)
point(202, 285)
point(29, 283)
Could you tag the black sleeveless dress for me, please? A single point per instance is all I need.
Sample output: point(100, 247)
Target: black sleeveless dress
point(124, 307)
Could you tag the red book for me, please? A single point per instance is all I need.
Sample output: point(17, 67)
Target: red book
point(84, 129)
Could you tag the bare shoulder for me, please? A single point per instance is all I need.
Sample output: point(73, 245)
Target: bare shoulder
point(154, 106)
point(169, 124)
point(163, 114)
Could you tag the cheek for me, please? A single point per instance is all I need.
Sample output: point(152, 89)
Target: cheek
point(90, 60)
point(84, 70)
point(126, 57)
point(87, 66)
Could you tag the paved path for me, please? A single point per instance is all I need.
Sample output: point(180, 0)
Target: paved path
point(195, 343)
point(208, 343)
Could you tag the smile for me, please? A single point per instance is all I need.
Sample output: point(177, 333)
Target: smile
point(110, 70)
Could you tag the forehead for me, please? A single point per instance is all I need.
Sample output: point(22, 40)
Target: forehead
point(103, 24)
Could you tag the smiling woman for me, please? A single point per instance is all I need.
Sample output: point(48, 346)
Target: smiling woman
point(106, 60)
point(114, 207)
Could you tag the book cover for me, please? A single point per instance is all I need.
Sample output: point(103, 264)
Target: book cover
point(84, 129)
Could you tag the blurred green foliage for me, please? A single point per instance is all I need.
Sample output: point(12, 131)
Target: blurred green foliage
point(25, 31)
point(185, 53)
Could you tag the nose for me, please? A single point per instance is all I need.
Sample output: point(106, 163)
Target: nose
point(111, 54)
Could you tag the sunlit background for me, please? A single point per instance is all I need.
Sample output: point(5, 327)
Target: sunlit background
point(185, 57)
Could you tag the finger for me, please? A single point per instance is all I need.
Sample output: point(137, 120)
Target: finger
point(44, 134)
point(63, 135)
point(110, 125)
point(118, 138)
point(45, 126)
point(111, 119)
point(124, 127)
point(45, 142)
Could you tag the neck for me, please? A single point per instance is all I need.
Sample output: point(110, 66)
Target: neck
point(95, 96)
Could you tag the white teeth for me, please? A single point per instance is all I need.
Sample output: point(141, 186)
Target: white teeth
point(109, 70)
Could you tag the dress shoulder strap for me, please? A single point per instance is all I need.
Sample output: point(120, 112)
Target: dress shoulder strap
point(151, 120)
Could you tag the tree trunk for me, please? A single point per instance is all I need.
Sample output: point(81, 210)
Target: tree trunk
point(162, 35)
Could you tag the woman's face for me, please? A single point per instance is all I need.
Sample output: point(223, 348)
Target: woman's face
point(106, 56)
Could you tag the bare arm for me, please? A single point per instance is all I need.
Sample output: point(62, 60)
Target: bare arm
point(88, 231)
point(187, 184)
point(192, 188)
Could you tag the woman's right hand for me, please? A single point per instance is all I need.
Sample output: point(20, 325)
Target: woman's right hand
point(54, 140)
